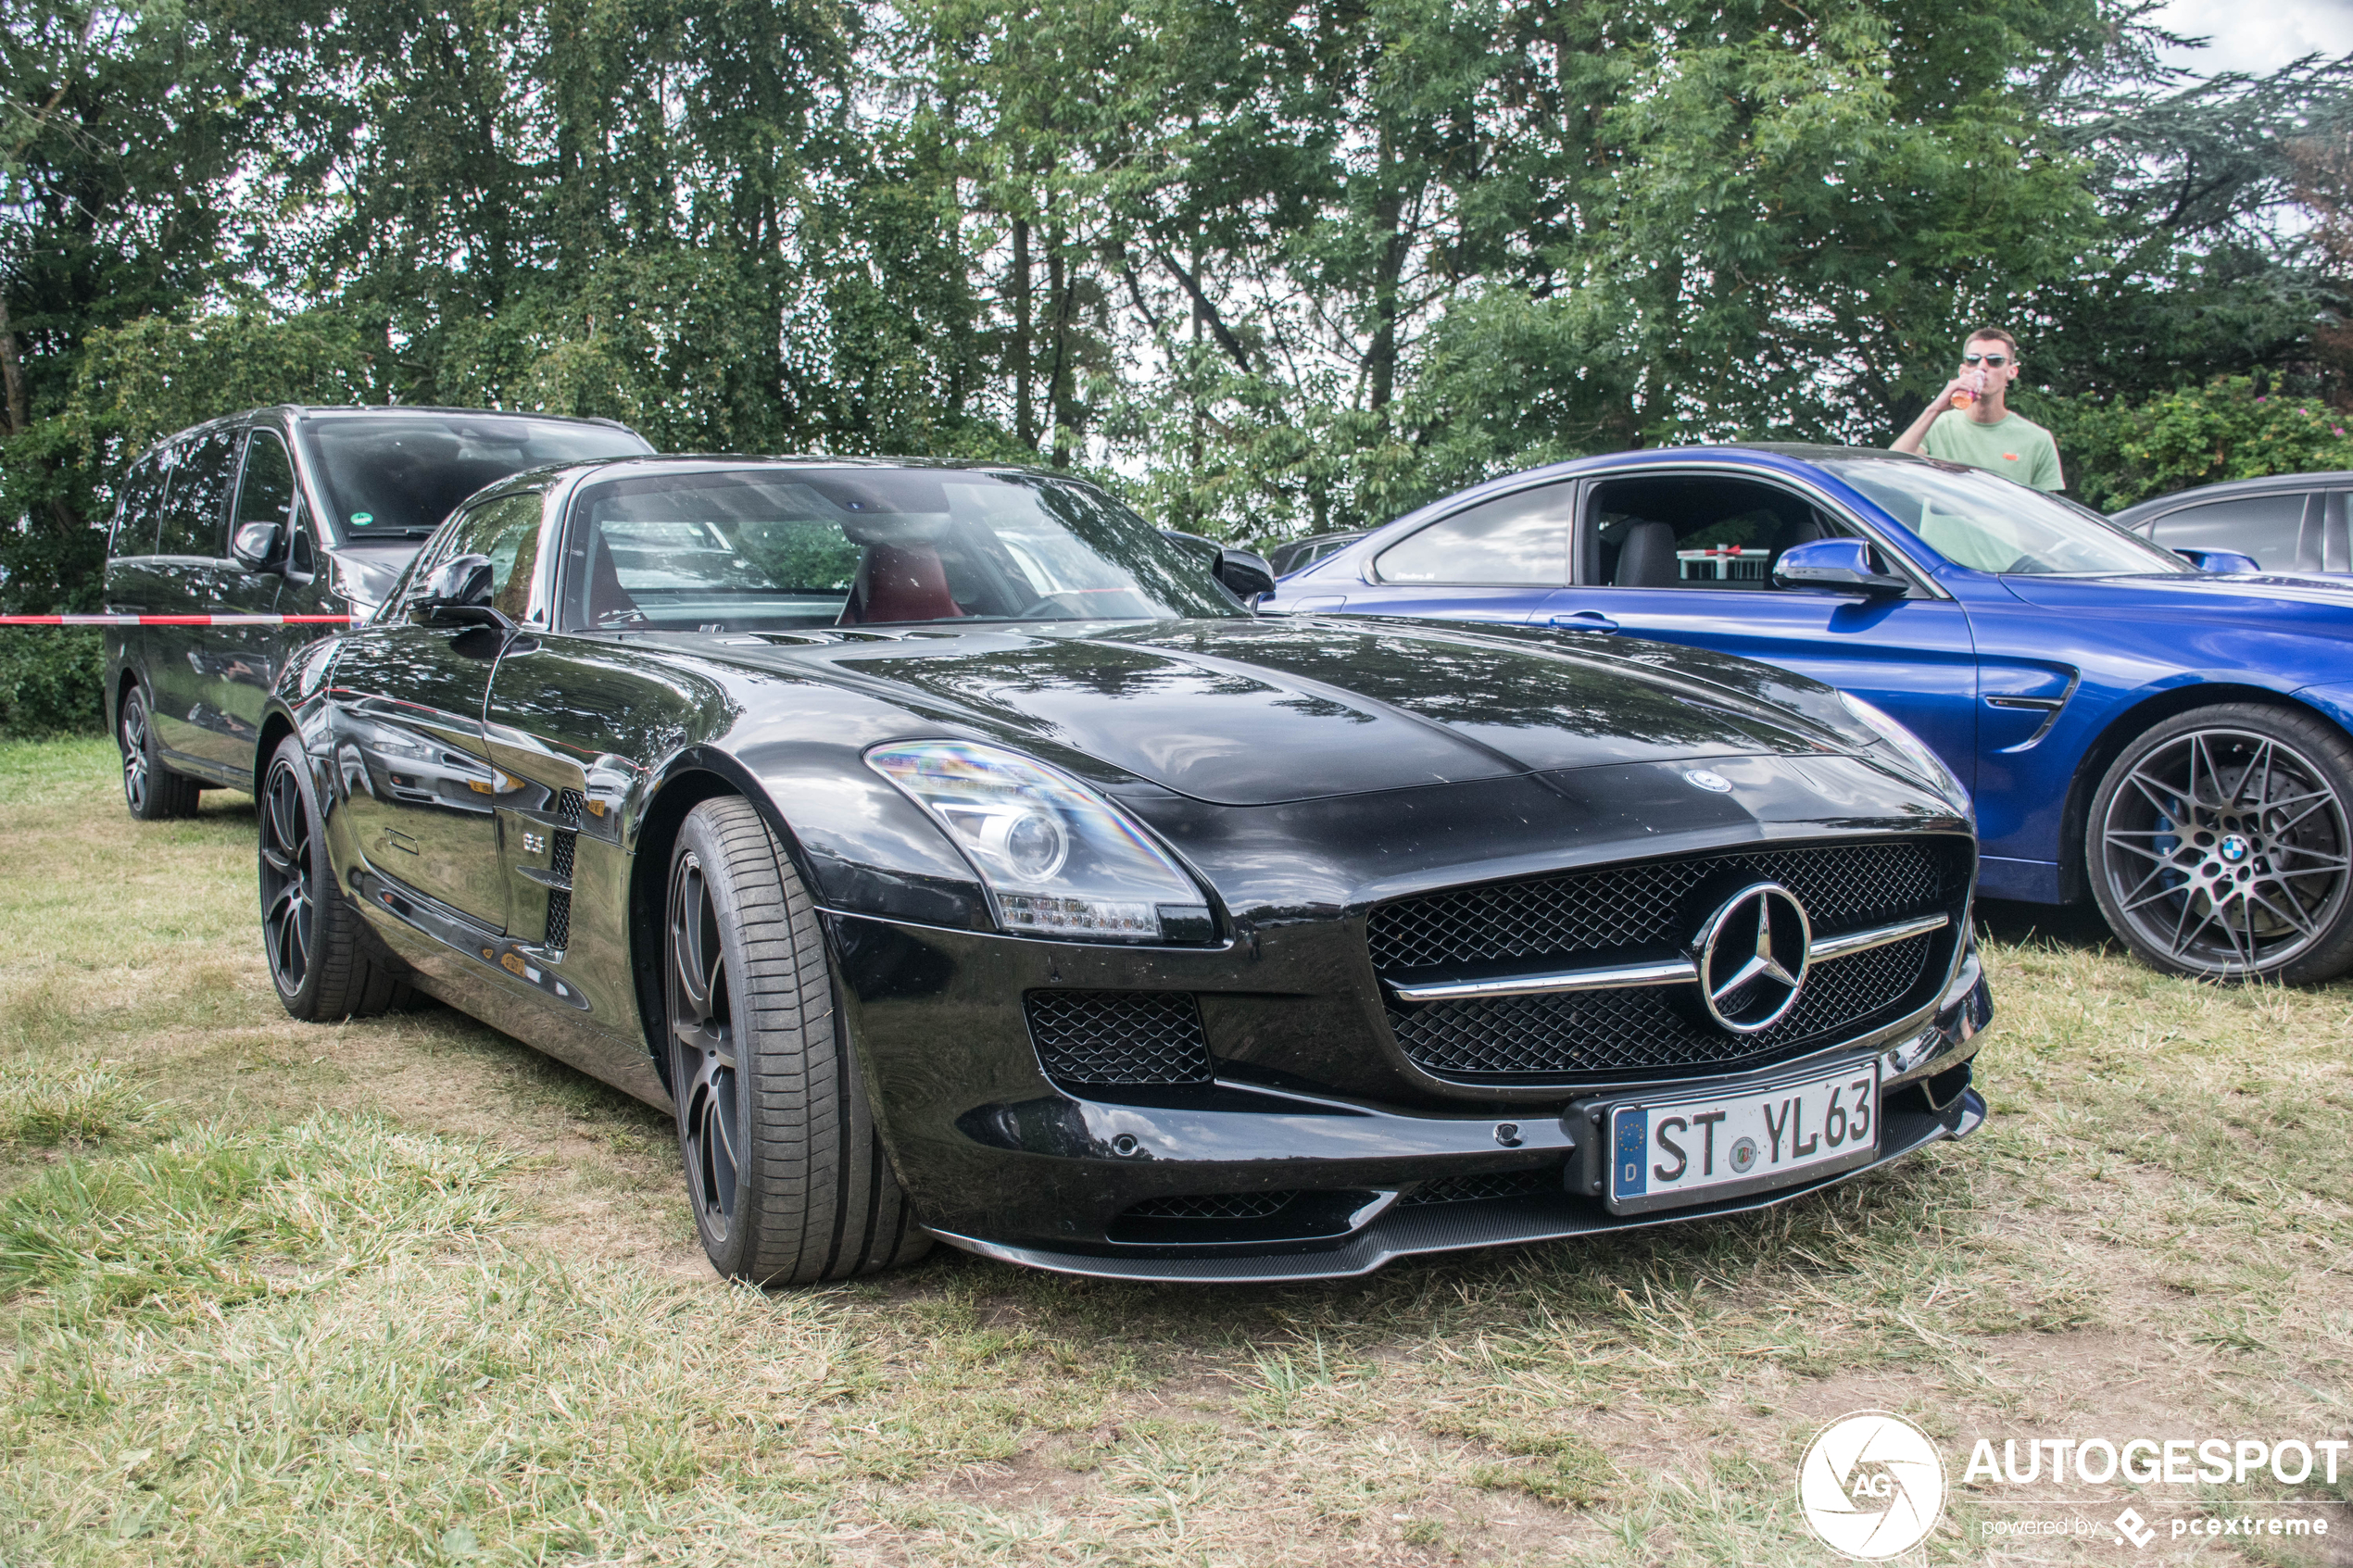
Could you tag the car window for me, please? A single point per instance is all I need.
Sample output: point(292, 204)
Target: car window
point(506, 530)
point(141, 511)
point(195, 510)
point(400, 474)
point(1517, 539)
point(1989, 523)
point(775, 548)
point(1698, 532)
point(266, 493)
point(2270, 528)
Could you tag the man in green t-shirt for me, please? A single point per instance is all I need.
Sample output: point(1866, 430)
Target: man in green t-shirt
point(1971, 421)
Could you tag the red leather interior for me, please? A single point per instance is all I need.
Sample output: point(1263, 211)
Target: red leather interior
point(900, 582)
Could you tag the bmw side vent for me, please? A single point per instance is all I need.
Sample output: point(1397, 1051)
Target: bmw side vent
point(1672, 968)
point(1110, 1039)
point(569, 804)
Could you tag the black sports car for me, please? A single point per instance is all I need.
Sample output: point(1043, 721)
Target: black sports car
point(963, 859)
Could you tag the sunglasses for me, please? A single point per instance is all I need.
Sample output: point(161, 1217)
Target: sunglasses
point(1987, 358)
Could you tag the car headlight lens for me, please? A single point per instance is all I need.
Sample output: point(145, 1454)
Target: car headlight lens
point(1057, 860)
point(1913, 753)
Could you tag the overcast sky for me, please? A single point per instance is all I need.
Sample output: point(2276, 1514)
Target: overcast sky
point(2258, 35)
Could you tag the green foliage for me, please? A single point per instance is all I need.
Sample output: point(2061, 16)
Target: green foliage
point(52, 681)
point(2230, 428)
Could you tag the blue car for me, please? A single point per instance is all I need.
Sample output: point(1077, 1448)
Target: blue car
point(2170, 742)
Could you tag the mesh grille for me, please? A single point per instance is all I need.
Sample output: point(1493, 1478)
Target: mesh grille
point(569, 802)
point(559, 918)
point(1471, 1190)
point(1213, 1206)
point(560, 858)
point(1599, 1033)
point(1119, 1036)
point(1842, 886)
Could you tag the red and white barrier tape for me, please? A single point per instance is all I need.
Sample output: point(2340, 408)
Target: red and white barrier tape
point(175, 621)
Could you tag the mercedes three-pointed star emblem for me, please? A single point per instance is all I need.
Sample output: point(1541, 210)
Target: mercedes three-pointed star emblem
point(1752, 956)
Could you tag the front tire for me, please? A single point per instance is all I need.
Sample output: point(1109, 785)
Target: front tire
point(787, 1176)
point(2221, 845)
point(153, 792)
point(318, 960)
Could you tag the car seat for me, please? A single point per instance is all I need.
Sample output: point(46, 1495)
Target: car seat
point(900, 582)
point(1646, 560)
point(606, 598)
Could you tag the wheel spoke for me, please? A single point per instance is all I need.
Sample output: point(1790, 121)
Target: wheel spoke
point(2292, 915)
point(2162, 856)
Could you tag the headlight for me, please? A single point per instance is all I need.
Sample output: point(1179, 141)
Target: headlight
point(1913, 753)
point(1057, 860)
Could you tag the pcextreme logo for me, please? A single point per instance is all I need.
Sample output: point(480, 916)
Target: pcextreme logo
point(1871, 1486)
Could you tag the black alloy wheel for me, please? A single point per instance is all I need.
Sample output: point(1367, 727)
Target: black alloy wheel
point(319, 959)
point(2221, 845)
point(153, 792)
point(788, 1178)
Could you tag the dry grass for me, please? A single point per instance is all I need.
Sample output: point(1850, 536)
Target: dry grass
point(405, 1291)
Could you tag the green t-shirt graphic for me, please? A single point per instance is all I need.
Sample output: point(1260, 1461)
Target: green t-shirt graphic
point(2014, 447)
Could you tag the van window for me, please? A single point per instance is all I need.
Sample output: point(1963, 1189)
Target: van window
point(266, 493)
point(195, 514)
point(141, 508)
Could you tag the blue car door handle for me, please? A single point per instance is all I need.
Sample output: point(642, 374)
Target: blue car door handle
point(1585, 621)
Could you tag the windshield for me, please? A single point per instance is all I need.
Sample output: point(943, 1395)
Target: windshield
point(1985, 521)
point(397, 476)
point(778, 548)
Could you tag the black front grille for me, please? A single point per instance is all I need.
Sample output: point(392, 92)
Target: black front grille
point(1213, 1206)
point(1648, 905)
point(1598, 1034)
point(1475, 1189)
point(1108, 1038)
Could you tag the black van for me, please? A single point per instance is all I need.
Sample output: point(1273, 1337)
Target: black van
point(285, 511)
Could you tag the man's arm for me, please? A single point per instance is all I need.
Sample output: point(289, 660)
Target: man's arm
point(1917, 430)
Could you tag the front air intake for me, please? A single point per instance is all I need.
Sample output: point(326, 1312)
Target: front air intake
point(1110, 1039)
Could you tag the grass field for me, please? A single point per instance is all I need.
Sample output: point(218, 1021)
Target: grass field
point(405, 1291)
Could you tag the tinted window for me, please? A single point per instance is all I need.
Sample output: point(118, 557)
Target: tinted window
point(196, 512)
point(507, 530)
point(1988, 524)
point(266, 493)
point(397, 474)
point(1520, 538)
point(2267, 527)
point(775, 548)
point(1698, 531)
point(141, 509)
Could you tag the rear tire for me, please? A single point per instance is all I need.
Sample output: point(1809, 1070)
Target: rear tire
point(785, 1174)
point(319, 960)
point(153, 792)
point(2221, 845)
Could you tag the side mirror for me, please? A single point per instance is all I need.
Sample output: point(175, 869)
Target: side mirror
point(457, 594)
point(2220, 560)
point(1842, 566)
point(256, 545)
point(1248, 575)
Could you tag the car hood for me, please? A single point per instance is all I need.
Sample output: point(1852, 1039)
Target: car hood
point(2315, 600)
point(1255, 712)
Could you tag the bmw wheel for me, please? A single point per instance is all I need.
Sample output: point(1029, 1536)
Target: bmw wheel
point(153, 792)
point(788, 1178)
point(2221, 845)
point(318, 960)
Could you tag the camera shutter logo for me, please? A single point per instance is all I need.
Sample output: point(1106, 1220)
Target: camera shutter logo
point(1871, 1486)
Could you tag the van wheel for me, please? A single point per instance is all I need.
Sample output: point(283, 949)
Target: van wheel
point(788, 1178)
point(153, 792)
point(2221, 845)
point(318, 961)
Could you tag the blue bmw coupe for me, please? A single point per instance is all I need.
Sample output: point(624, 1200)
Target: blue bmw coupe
point(2171, 742)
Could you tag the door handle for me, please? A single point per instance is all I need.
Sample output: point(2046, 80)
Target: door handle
point(1585, 621)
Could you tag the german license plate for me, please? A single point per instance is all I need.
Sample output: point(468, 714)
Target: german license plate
point(1668, 1153)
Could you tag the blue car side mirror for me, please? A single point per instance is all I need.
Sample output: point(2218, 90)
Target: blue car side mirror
point(1844, 566)
point(2220, 560)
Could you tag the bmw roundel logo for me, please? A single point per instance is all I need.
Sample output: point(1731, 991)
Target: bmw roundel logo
point(1715, 783)
point(2232, 848)
point(1752, 956)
